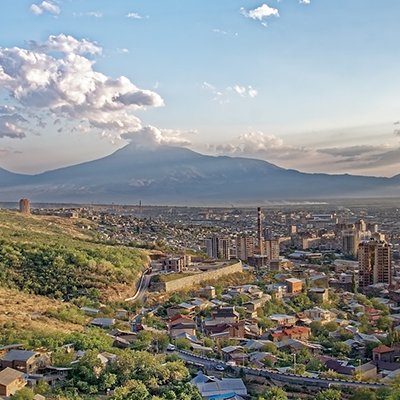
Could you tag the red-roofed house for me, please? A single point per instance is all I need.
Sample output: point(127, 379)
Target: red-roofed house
point(294, 332)
point(383, 354)
point(179, 324)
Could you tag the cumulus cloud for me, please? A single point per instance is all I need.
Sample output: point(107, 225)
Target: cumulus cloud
point(56, 80)
point(66, 44)
point(305, 1)
point(150, 136)
point(224, 95)
point(260, 13)
point(45, 6)
point(261, 145)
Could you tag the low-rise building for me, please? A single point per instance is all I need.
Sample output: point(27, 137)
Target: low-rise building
point(320, 295)
point(294, 285)
point(25, 361)
point(11, 381)
point(181, 324)
point(301, 333)
point(213, 388)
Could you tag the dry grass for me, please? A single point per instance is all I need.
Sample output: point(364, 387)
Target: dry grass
point(27, 311)
point(45, 225)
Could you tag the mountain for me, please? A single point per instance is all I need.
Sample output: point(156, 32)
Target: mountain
point(173, 175)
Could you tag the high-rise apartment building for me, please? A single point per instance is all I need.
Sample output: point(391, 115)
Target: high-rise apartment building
point(218, 248)
point(350, 242)
point(272, 249)
point(375, 261)
point(260, 238)
point(245, 247)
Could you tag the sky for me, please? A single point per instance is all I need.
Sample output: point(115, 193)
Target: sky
point(312, 85)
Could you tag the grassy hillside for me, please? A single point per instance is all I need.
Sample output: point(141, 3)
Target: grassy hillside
point(56, 257)
point(26, 311)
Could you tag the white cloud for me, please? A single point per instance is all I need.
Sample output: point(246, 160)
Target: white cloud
point(7, 109)
point(260, 13)
point(10, 126)
point(224, 33)
point(365, 158)
point(150, 136)
point(224, 95)
point(94, 14)
point(66, 44)
point(244, 91)
point(45, 6)
point(122, 51)
point(66, 86)
point(305, 1)
point(134, 15)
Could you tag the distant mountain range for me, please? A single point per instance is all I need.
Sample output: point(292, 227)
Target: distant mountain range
point(173, 175)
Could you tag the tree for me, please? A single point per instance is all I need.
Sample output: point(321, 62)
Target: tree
point(23, 394)
point(269, 348)
point(182, 344)
point(331, 326)
point(85, 374)
point(384, 323)
point(314, 365)
point(175, 371)
point(42, 388)
point(133, 390)
point(301, 302)
point(329, 394)
point(317, 328)
point(385, 394)
point(341, 349)
point(275, 393)
point(363, 394)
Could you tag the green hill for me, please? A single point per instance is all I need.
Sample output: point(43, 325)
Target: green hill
point(58, 258)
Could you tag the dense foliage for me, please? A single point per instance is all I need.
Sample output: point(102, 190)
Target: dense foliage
point(53, 263)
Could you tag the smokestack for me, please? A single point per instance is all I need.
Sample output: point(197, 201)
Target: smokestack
point(259, 231)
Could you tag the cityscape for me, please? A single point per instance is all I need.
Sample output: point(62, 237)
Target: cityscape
point(285, 300)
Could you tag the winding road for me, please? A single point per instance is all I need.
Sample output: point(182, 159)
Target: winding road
point(142, 287)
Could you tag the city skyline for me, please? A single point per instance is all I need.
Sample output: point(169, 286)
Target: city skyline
point(301, 84)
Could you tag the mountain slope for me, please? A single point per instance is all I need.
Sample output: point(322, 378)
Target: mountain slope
point(180, 176)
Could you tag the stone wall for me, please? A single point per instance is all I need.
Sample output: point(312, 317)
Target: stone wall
point(189, 281)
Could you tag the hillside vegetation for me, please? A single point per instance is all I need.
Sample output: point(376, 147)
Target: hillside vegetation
point(56, 257)
point(23, 311)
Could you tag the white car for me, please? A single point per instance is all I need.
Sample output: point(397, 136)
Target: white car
point(220, 367)
point(171, 347)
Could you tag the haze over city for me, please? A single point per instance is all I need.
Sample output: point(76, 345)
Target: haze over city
point(310, 85)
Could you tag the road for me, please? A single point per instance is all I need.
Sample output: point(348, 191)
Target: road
point(141, 290)
point(286, 378)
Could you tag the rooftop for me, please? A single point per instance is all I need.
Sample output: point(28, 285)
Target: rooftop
point(9, 375)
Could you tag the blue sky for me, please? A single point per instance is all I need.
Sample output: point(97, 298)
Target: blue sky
point(311, 86)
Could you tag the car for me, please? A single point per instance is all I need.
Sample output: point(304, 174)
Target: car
point(220, 367)
point(171, 347)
